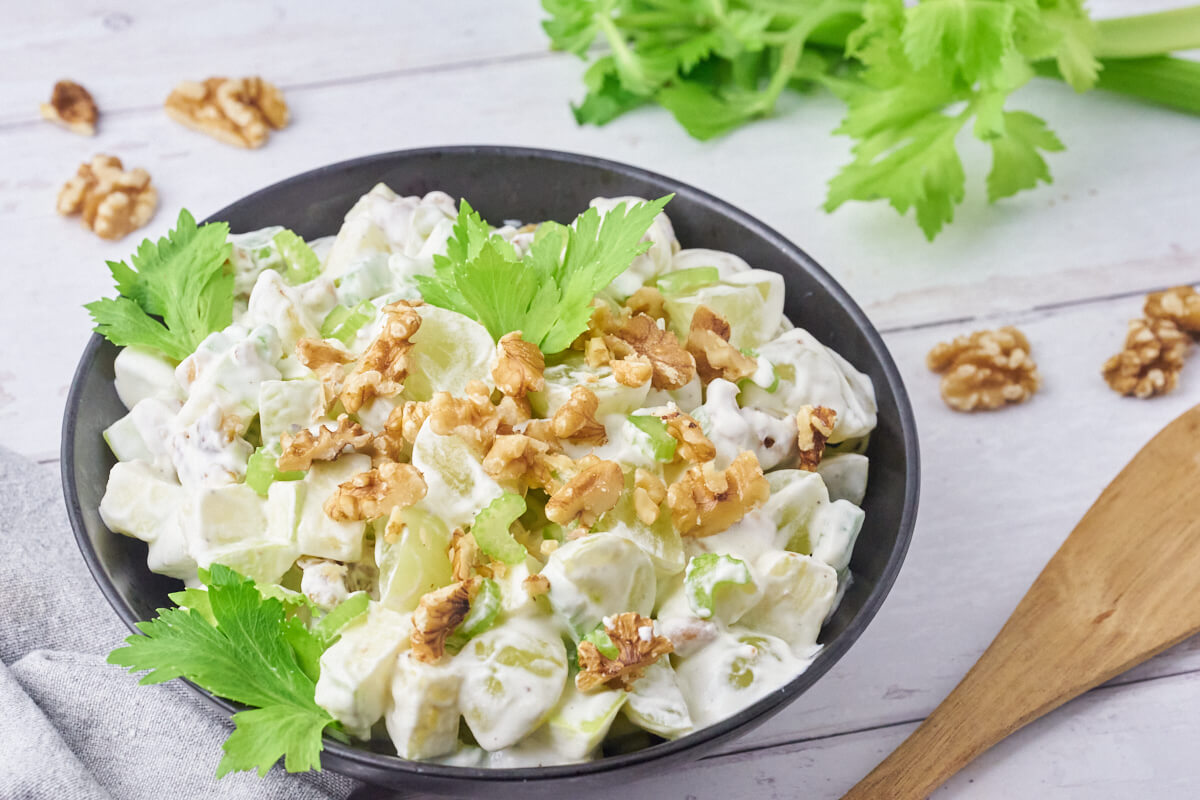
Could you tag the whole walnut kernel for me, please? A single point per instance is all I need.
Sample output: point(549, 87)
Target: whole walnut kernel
point(71, 106)
point(112, 201)
point(519, 366)
point(986, 370)
point(1150, 363)
point(237, 111)
point(1180, 305)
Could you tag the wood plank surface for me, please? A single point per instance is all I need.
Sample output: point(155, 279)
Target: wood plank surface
point(1067, 263)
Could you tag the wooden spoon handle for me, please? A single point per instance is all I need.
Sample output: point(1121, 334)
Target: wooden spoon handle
point(1122, 588)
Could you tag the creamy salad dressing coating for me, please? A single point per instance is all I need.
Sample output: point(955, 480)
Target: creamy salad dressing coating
point(742, 609)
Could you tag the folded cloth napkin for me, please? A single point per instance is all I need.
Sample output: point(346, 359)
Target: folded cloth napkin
point(72, 726)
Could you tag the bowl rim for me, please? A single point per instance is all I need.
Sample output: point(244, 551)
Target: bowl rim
point(710, 735)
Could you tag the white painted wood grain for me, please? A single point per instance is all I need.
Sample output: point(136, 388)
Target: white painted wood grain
point(130, 54)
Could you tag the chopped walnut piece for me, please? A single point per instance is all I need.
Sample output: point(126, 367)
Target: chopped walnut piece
point(543, 431)
point(673, 366)
point(693, 445)
point(406, 419)
point(382, 369)
point(512, 411)
point(472, 418)
point(648, 493)
point(705, 501)
point(632, 371)
point(519, 366)
point(986, 370)
point(595, 352)
point(708, 342)
point(111, 201)
point(638, 646)
point(325, 444)
point(1150, 363)
point(649, 301)
point(515, 456)
point(236, 111)
point(1180, 305)
point(464, 554)
point(327, 361)
point(71, 106)
point(438, 614)
point(594, 490)
point(376, 492)
point(814, 424)
point(575, 420)
point(536, 585)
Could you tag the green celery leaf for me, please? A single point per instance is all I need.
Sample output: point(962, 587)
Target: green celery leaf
point(606, 101)
point(1016, 162)
point(262, 735)
point(571, 26)
point(182, 278)
point(916, 166)
point(123, 322)
point(972, 36)
point(255, 655)
point(706, 115)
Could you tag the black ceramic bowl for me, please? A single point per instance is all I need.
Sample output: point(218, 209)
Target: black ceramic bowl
point(514, 183)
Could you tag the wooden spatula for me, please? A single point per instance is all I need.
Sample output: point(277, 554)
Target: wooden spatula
point(1124, 586)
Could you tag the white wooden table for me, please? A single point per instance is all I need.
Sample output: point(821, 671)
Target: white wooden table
point(1068, 263)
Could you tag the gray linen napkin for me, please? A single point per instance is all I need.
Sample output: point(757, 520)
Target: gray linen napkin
point(72, 726)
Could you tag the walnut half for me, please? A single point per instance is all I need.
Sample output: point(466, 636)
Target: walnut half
point(112, 201)
point(519, 366)
point(705, 501)
point(596, 489)
point(376, 492)
point(438, 614)
point(986, 370)
point(72, 107)
point(237, 111)
point(638, 646)
point(1150, 363)
point(1180, 305)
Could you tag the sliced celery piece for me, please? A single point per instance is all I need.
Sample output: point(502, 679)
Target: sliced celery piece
point(491, 528)
point(302, 263)
point(261, 471)
point(343, 324)
point(662, 443)
point(599, 637)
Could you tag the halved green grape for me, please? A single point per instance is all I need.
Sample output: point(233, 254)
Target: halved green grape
point(798, 592)
point(685, 280)
point(731, 672)
point(600, 638)
point(581, 720)
point(458, 488)
point(655, 703)
point(261, 470)
point(485, 608)
point(414, 561)
point(713, 581)
point(598, 575)
point(302, 263)
point(795, 495)
point(491, 528)
point(512, 676)
point(343, 324)
point(751, 302)
point(449, 351)
point(660, 541)
point(612, 397)
point(662, 443)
